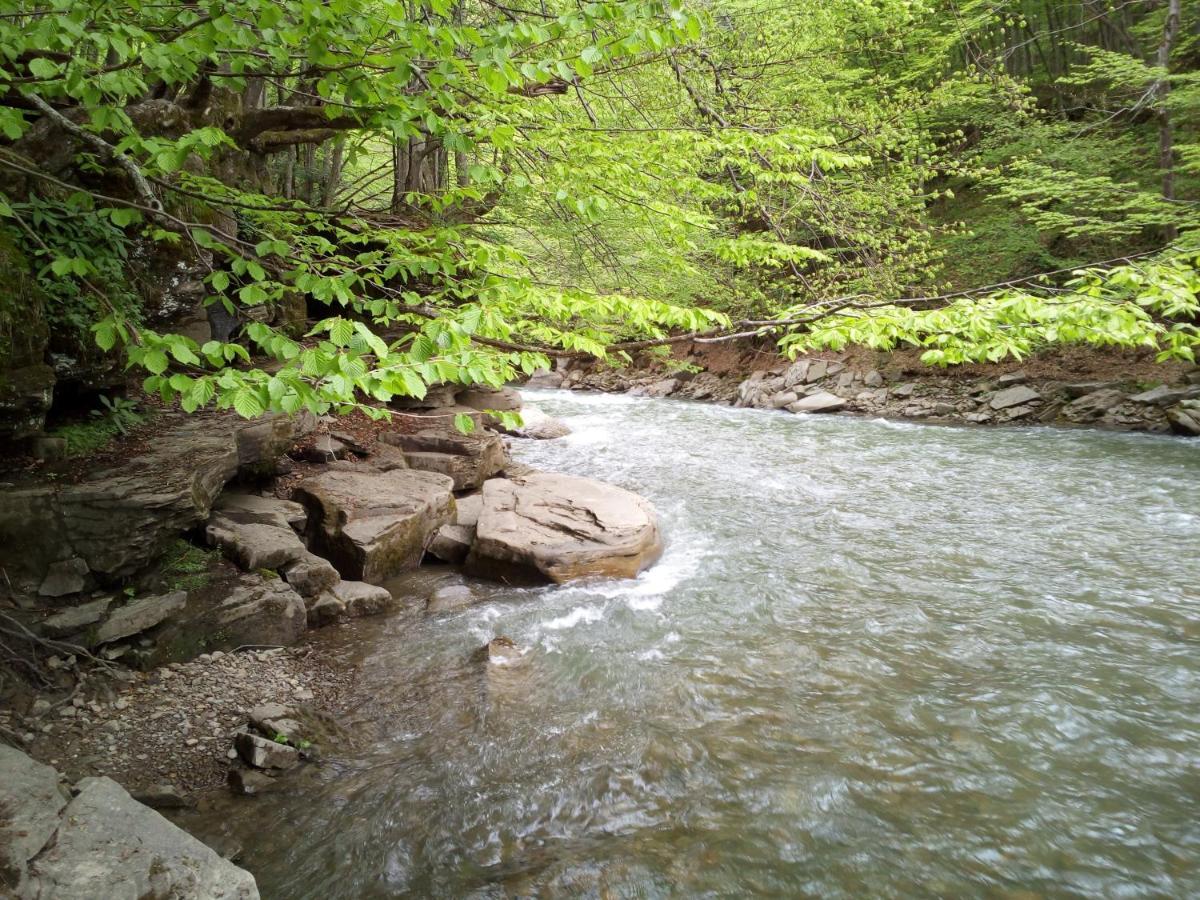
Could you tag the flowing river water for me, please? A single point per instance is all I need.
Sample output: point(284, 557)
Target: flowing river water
point(876, 659)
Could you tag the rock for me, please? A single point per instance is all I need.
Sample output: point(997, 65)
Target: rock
point(49, 449)
point(262, 510)
point(503, 651)
point(372, 525)
point(325, 610)
point(108, 845)
point(1014, 396)
point(1185, 418)
point(544, 378)
point(164, 796)
point(325, 448)
point(1093, 405)
point(442, 417)
point(386, 458)
point(274, 719)
point(1012, 378)
point(258, 611)
point(822, 401)
point(66, 577)
point(310, 575)
point(436, 396)
point(783, 398)
point(350, 442)
point(483, 398)
point(450, 597)
point(452, 543)
point(944, 409)
point(873, 379)
point(903, 390)
point(1083, 388)
point(468, 459)
point(262, 753)
point(1165, 396)
point(253, 545)
point(122, 519)
point(139, 615)
point(662, 388)
point(537, 425)
point(75, 619)
point(817, 369)
point(30, 804)
point(248, 782)
point(466, 509)
point(359, 599)
point(261, 444)
point(547, 526)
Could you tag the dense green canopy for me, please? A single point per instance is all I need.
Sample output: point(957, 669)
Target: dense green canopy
point(468, 189)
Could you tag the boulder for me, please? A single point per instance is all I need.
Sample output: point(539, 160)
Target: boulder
point(139, 615)
point(120, 520)
point(76, 619)
point(1093, 405)
point(264, 510)
point(253, 545)
point(258, 611)
point(904, 390)
point(468, 459)
point(436, 396)
point(537, 425)
point(310, 575)
point(466, 509)
point(63, 578)
point(263, 442)
point(452, 543)
point(359, 599)
point(551, 527)
point(544, 378)
point(1165, 396)
point(30, 805)
point(817, 369)
point(109, 845)
point(1185, 418)
point(325, 610)
point(1014, 396)
point(822, 401)
point(482, 398)
point(264, 753)
point(784, 398)
point(372, 525)
point(873, 379)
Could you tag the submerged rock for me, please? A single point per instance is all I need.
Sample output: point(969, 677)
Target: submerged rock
point(372, 525)
point(550, 527)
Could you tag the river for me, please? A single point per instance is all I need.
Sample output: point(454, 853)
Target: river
point(876, 659)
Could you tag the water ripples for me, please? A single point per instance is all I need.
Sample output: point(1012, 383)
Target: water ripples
point(876, 658)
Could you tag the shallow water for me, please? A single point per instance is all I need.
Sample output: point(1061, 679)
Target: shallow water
point(875, 659)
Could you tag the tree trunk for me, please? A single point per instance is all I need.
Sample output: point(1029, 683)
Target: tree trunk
point(1166, 137)
point(333, 174)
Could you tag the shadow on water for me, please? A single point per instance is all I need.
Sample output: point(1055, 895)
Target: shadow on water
point(876, 658)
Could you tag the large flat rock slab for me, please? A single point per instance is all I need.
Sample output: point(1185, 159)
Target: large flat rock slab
point(550, 527)
point(372, 525)
point(119, 520)
point(30, 804)
point(109, 845)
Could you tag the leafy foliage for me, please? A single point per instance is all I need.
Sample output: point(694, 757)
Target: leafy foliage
point(467, 189)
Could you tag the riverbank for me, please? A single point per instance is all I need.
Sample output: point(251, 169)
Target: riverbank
point(1113, 389)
